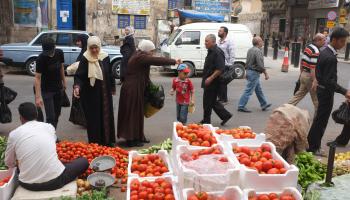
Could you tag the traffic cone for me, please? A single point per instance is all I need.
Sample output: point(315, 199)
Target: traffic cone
point(285, 64)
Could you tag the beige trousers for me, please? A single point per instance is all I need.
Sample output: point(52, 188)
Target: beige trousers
point(305, 87)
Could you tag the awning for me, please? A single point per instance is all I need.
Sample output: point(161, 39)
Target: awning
point(192, 14)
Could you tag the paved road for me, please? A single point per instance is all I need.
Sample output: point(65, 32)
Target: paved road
point(278, 90)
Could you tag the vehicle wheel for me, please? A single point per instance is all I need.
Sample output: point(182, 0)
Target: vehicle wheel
point(31, 66)
point(239, 70)
point(116, 69)
point(192, 69)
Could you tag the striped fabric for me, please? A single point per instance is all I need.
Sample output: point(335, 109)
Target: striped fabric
point(310, 56)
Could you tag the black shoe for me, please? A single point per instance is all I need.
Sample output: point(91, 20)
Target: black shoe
point(337, 144)
point(203, 122)
point(245, 110)
point(130, 143)
point(266, 107)
point(225, 120)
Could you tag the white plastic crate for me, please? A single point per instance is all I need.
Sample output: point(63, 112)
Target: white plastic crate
point(179, 141)
point(224, 138)
point(189, 178)
point(171, 179)
point(163, 154)
point(250, 178)
point(230, 193)
point(7, 190)
point(289, 190)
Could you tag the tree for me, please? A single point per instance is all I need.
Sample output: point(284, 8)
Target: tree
point(6, 21)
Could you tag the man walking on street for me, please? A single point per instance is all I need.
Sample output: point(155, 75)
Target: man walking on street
point(254, 66)
point(326, 75)
point(308, 82)
point(227, 46)
point(214, 65)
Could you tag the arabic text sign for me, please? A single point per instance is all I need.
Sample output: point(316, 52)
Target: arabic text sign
point(134, 7)
point(222, 7)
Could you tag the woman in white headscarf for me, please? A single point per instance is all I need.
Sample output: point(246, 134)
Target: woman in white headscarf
point(131, 103)
point(94, 85)
point(127, 49)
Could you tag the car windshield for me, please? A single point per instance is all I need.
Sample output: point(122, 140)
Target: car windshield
point(173, 36)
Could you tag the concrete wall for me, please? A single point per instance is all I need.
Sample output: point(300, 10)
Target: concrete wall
point(251, 15)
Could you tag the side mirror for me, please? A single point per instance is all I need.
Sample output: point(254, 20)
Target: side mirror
point(178, 41)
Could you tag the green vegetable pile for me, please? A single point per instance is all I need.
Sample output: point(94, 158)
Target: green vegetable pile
point(166, 145)
point(96, 195)
point(2, 153)
point(310, 169)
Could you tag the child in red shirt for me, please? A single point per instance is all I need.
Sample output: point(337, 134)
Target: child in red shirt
point(183, 87)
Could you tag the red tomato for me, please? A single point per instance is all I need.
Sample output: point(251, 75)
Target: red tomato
point(278, 164)
point(283, 170)
point(159, 196)
point(245, 161)
point(263, 197)
point(143, 195)
point(169, 197)
point(266, 155)
point(267, 165)
point(266, 147)
point(123, 189)
point(273, 171)
point(168, 191)
point(273, 196)
point(202, 196)
point(192, 197)
point(134, 197)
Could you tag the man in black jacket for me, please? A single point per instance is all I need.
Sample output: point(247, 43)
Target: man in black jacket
point(326, 75)
point(214, 65)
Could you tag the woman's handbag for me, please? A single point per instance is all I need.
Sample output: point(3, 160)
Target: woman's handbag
point(64, 99)
point(5, 112)
point(342, 114)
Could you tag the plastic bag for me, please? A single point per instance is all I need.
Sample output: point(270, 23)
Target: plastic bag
point(154, 95)
point(64, 99)
point(8, 93)
point(77, 115)
point(5, 112)
point(342, 114)
point(150, 110)
point(208, 164)
point(228, 75)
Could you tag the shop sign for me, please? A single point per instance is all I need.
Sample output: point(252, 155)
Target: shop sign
point(319, 4)
point(343, 12)
point(131, 7)
point(342, 20)
point(332, 15)
point(222, 7)
point(330, 24)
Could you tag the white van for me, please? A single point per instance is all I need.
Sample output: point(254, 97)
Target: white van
point(187, 43)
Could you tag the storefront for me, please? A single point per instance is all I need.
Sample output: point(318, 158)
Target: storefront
point(275, 21)
point(318, 12)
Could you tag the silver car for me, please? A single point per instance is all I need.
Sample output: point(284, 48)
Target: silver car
point(25, 54)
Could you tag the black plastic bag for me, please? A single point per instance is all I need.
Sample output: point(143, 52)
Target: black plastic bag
point(342, 114)
point(228, 75)
point(9, 94)
point(5, 112)
point(77, 115)
point(154, 95)
point(297, 86)
point(64, 99)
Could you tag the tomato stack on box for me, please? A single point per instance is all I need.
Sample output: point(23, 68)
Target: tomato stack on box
point(8, 183)
point(254, 172)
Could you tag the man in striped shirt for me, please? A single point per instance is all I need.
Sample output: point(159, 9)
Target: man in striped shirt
point(308, 82)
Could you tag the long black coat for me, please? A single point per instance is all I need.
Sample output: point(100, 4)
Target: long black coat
point(97, 102)
point(127, 49)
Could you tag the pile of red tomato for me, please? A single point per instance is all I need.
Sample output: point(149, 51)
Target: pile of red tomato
point(259, 159)
point(68, 151)
point(160, 189)
point(149, 165)
point(238, 133)
point(272, 196)
point(203, 196)
point(5, 180)
point(196, 154)
point(196, 135)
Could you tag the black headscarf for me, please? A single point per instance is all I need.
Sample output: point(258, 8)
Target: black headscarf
point(83, 38)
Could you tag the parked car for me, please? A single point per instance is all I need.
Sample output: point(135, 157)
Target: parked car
point(25, 54)
point(187, 43)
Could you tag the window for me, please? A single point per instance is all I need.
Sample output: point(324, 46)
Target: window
point(123, 21)
point(173, 36)
point(140, 22)
point(39, 41)
point(189, 38)
point(63, 39)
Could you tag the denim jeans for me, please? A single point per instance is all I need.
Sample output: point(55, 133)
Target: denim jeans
point(182, 112)
point(253, 84)
point(52, 104)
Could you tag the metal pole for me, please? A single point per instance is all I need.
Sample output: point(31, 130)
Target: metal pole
point(266, 47)
point(297, 55)
point(275, 49)
point(347, 52)
point(330, 164)
point(293, 54)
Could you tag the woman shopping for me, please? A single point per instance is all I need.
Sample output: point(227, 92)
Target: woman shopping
point(94, 85)
point(131, 103)
point(127, 49)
